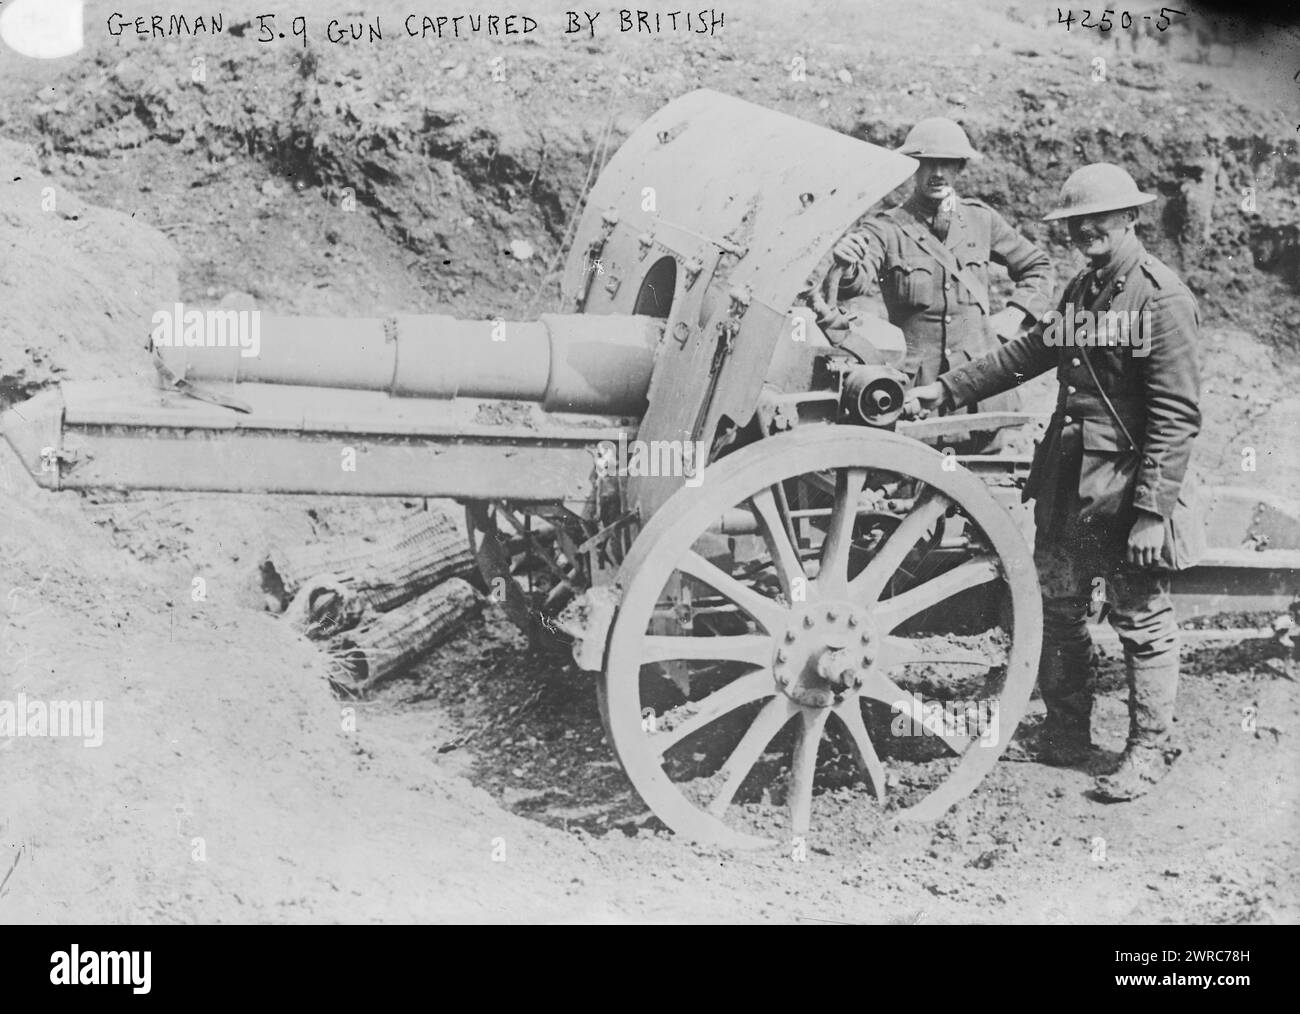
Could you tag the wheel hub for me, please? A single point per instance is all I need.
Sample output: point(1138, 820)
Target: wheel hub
point(824, 652)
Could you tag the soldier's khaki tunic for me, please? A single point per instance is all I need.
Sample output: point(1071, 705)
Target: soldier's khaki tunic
point(941, 318)
point(1088, 483)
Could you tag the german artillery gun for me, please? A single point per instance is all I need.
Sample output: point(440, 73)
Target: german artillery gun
point(696, 475)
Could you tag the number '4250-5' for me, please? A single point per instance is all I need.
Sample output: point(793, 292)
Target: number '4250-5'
point(1163, 21)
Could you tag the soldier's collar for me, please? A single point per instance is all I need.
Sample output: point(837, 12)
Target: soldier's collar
point(923, 211)
point(1123, 261)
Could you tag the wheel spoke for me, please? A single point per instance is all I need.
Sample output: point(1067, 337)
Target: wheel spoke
point(868, 585)
point(768, 613)
point(880, 687)
point(777, 537)
point(803, 766)
point(893, 611)
point(849, 711)
point(750, 687)
point(767, 723)
point(904, 651)
point(833, 576)
point(755, 649)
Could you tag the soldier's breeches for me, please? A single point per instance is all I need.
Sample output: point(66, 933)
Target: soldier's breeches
point(1065, 671)
point(1142, 614)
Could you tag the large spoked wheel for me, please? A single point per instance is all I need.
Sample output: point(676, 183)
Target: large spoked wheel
point(882, 602)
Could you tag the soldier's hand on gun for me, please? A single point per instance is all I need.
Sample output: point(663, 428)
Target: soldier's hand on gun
point(1007, 323)
point(851, 249)
point(1146, 539)
point(919, 402)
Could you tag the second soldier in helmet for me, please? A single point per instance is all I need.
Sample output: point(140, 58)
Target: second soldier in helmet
point(931, 258)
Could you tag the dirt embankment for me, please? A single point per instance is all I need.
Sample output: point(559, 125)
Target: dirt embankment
point(78, 283)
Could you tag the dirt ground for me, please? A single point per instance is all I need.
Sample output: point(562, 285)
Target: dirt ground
point(231, 786)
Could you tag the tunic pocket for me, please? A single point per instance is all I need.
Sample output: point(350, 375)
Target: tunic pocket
point(913, 282)
point(1104, 436)
point(1107, 471)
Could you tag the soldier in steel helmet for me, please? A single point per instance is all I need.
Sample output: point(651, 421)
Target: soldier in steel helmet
point(931, 258)
point(1115, 511)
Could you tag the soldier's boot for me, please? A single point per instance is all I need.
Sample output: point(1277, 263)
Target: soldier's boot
point(1064, 679)
point(1153, 687)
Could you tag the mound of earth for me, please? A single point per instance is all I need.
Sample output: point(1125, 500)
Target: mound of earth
point(78, 283)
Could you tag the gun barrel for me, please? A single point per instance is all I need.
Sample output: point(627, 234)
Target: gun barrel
point(566, 362)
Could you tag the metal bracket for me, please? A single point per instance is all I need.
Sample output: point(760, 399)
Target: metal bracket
point(727, 331)
point(776, 412)
point(608, 220)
